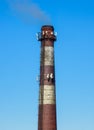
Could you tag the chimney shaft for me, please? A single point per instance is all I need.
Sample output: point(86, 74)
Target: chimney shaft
point(47, 94)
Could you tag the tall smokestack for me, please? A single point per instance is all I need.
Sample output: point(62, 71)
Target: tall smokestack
point(47, 96)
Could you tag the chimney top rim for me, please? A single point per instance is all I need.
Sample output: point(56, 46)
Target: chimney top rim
point(47, 26)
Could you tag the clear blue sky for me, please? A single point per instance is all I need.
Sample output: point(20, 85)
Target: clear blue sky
point(74, 62)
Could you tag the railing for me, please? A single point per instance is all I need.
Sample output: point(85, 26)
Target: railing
point(46, 35)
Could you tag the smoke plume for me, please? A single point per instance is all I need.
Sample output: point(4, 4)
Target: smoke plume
point(29, 10)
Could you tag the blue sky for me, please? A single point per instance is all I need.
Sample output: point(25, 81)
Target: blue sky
point(20, 57)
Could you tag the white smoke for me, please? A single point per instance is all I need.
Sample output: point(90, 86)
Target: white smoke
point(29, 10)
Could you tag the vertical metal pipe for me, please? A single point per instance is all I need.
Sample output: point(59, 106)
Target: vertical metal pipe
point(47, 94)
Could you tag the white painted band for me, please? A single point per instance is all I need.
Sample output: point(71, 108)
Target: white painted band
point(47, 55)
point(47, 94)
